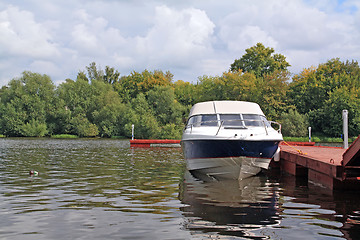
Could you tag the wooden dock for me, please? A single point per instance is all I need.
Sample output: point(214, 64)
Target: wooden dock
point(332, 167)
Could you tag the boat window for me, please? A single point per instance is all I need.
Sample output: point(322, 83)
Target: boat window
point(190, 122)
point(252, 120)
point(202, 120)
point(193, 121)
point(231, 120)
point(209, 120)
point(263, 119)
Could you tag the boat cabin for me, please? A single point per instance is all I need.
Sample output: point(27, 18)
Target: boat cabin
point(228, 114)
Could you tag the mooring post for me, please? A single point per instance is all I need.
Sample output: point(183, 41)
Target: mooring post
point(132, 132)
point(345, 128)
point(309, 134)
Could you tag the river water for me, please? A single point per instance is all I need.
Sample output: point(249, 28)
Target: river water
point(103, 189)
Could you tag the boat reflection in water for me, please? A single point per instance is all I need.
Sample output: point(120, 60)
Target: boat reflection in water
point(228, 207)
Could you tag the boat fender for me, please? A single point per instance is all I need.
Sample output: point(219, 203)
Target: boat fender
point(277, 155)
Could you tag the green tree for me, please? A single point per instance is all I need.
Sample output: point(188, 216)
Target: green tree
point(310, 89)
point(130, 86)
point(168, 111)
point(268, 91)
point(34, 128)
point(185, 93)
point(141, 115)
point(95, 73)
point(294, 124)
point(59, 117)
point(12, 118)
point(170, 131)
point(164, 105)
point(111, 76)
point(82, 127)
point(109, 119)
point(107, 110)
point(229, 86)
point(323, 93)
point(27, 101)
point(271, 94)
point(77, 96)
point(260, 60)
point(208, 89)
point(329, 118)
point(96, 103)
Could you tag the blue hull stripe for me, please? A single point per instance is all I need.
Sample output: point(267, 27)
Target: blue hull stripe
point(228, 148)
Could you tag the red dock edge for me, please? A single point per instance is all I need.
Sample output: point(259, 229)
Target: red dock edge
point(150, 142)
point(332, 167)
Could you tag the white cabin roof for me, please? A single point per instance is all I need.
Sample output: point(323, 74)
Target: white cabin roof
point(226, 107)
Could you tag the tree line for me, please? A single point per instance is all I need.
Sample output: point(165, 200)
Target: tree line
point(101, 102)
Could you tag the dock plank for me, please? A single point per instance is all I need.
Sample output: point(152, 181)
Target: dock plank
point(329, 155)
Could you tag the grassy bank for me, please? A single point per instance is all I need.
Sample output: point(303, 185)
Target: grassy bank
point(64, 136)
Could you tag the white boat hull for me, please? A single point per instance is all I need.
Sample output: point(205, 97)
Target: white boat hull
point(227, 168)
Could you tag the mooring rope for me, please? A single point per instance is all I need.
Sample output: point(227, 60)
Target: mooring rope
point(298, 150)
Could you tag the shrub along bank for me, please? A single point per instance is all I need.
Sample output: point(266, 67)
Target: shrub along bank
point(103, 103)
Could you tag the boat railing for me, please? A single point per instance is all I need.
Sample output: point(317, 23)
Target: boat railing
point(220, 124)
point(278, 126)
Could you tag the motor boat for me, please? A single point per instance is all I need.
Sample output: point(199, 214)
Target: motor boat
point(229, 140)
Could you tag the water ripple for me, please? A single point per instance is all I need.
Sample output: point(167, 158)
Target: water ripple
point(103, 189)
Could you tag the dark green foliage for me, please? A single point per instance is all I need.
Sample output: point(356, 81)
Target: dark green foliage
point(271, 94)
point(260, 61)
point(185, 93)
point(325, 91)
point(34, 128)
point(101, 103)
point(109, 119)
point(170, 131)
point(129, 87)
point(142, 116)
point(166, 108)
point(82, 127)
point(27, 105)
point(294, 124)
point(12, 119)
point(94, 105)
point(95, 73)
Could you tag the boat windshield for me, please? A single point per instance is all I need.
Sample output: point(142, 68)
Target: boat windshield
point(254, 120)
point(209, 120)
point(228, 120)
point(264, 120)
point(202, 120)
point(231, 120)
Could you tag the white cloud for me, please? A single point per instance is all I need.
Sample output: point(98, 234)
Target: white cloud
point(240, 38)
point(45, 67)
point(22, 36)
point(188, 38)
point(176, 36)
point(293, 28)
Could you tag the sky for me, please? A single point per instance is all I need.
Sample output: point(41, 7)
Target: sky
point(189, 38)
